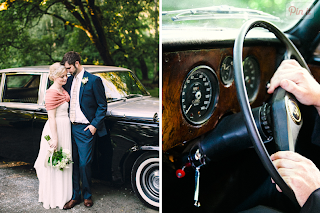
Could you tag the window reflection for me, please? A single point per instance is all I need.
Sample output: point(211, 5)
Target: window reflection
point(21, 88)
point(120, 85)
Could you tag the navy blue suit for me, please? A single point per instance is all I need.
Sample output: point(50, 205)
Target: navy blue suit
point(312, 204)
point(93, 105)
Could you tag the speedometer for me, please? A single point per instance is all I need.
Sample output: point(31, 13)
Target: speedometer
point(199, 94)
point(251, 73)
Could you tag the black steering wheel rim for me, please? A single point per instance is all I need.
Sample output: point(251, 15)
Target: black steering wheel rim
point(244, 101)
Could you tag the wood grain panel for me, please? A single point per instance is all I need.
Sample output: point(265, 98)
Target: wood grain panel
point(175, 68)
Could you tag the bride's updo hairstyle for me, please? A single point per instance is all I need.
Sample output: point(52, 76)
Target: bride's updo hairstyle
point(56, 70)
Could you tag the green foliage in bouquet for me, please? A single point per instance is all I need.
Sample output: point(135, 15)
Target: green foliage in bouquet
point(60, 159)
point(47, 137)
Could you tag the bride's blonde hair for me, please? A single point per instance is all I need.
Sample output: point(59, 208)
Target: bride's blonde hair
point(56, 70)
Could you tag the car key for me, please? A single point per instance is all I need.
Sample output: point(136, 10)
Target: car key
point(196, 191)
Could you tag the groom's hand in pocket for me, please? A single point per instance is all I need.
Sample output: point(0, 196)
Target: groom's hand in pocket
point(91, 128)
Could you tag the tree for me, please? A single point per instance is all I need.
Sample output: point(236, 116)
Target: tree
point(122, 32)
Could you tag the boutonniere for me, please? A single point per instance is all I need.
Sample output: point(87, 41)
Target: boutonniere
point(84, 80)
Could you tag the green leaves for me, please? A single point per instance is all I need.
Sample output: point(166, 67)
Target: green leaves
point(122, 33)
point(60, 159)
point(47, 137)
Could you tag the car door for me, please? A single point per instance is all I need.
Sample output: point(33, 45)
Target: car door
point(19, 102)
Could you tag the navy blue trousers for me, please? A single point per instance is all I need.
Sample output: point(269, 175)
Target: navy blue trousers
point(82, 154)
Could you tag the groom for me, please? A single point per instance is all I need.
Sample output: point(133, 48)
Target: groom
point(88, 107)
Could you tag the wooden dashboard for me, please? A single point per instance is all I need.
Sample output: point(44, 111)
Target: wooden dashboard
point(176, 66)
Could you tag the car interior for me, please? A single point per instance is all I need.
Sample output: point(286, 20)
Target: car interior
point(219, 124)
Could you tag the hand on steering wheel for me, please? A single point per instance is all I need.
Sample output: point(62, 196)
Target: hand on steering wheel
point(298, 81)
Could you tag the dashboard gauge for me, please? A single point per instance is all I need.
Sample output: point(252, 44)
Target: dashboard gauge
point(251, 73)
point(226, 71)
point(199, 94)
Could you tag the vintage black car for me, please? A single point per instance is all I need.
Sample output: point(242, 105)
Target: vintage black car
point(131, 148)
point(217, 60)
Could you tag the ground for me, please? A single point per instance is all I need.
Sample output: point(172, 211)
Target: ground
point(19, 193)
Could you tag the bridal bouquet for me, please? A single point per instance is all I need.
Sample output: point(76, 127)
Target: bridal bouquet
point(59, 158)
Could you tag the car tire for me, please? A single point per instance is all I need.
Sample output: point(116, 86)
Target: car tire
point(145, 179)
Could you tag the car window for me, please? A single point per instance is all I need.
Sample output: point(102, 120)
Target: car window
point(49, 83)
point(121, 85)
point(21, 88)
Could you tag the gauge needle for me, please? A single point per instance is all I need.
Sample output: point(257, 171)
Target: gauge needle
point(189, 108)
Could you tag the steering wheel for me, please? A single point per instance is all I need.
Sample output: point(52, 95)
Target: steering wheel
point(285, 113)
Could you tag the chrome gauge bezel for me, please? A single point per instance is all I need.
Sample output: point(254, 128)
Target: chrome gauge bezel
point(251, 72)
point(199, 94)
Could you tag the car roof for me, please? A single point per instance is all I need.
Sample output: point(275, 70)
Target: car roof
point(45, 68)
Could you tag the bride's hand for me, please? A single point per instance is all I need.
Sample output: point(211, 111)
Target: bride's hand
point(54, 144)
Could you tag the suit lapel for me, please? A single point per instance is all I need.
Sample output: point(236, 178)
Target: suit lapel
point(85, 74)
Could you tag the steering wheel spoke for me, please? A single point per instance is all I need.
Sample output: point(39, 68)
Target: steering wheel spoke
point(287, 119)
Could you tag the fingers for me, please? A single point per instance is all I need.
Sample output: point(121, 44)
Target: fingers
point(300, 174)
point(291, 87)
point(278, 188)
point(290, 74)
point(293, 156)
point(288, 70)
point(91, 128)
point(53, 146)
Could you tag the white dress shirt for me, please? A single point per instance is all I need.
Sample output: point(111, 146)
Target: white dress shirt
point(80, 117)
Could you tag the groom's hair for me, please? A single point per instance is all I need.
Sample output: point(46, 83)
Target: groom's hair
point(71, 57)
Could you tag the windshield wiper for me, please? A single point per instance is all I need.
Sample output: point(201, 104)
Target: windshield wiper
point(219, 12)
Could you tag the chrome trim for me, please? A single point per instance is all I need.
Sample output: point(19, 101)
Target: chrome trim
point(1, 85)
point(154, 148)
point(23, 106)
point(42, 88)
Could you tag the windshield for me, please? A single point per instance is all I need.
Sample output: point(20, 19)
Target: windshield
point(233, 13)
point(121, 85)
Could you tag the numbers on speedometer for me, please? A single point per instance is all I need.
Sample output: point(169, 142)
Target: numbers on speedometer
point(199, 94)
point(251, 73)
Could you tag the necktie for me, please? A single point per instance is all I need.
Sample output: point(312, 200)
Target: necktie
point(74, 100)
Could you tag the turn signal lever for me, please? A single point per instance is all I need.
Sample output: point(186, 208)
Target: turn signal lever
point(228, 137)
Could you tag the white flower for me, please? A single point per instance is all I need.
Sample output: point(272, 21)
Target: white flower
point(67, 152)
point(58, 165)
point(84, 80)
point(62, 165)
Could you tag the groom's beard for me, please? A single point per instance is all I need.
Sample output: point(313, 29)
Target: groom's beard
point(75, 72)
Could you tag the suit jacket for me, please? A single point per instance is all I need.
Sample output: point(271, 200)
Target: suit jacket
point(312, 205)
point(93, 102)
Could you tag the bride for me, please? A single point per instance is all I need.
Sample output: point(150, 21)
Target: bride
point(55, 186)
